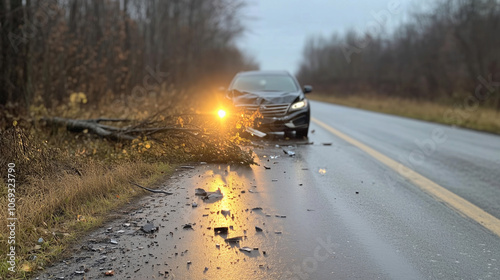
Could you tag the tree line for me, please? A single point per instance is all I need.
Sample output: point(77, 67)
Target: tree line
point(448, 52)
point(51, 48)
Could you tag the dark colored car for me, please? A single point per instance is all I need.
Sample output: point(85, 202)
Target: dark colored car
point(278, 97)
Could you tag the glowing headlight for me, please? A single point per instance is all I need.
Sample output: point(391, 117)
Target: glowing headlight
point(299, 105)
point(221, 113)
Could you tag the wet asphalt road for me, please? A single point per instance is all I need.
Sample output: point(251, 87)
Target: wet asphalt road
point(329, 212)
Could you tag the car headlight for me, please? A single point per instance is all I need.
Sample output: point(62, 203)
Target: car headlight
point(222, 113)
point(299, 105)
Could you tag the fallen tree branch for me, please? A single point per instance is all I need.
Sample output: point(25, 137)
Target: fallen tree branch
point(113, 132)
point(151, 190)
point(92, 126)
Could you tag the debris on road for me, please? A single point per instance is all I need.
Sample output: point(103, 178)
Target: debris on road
point(258, 229)
point(109, 273)
point(151, 190)
point(256, 208)
point(289, 153)
point(194, 204)
point(256, 132)
point(187, 226)
point(267, 167)
point(112, 241)
point(148, 228)
point(200, 192)
point(221, 230)
point(234, 239)
point(246, 249)
point(225, 212)
point(214, 195)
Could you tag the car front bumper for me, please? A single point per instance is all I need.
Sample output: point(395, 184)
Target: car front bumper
point(292, 121)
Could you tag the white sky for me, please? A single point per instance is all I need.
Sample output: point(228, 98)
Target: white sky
point(278, 29)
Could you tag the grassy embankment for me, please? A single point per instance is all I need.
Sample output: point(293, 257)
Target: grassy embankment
point(66, 183)
point(477, 118)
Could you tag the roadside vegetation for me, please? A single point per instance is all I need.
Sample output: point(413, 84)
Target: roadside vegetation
point(442, 58)
point(149, 67)
point(482, 119)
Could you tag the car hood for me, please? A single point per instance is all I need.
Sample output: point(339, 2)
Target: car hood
point(260, 98)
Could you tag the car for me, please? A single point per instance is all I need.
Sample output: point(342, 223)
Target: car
point(278, 97)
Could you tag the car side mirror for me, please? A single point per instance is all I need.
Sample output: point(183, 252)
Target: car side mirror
point(308, 89)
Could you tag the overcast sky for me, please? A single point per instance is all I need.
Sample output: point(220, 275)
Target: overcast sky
point(277, 29)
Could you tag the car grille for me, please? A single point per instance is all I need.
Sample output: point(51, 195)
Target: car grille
point(268, 110)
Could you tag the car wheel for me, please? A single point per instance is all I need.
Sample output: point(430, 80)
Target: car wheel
point(301, 133)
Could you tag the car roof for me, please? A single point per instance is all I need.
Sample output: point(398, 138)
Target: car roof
point(268, 72)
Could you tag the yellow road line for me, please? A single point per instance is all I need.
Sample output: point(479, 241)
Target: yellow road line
point(454, 201)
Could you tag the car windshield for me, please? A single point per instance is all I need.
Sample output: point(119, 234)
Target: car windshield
point(265, 83)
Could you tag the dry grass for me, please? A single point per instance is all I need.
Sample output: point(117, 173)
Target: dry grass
point(480, 118)
point(63, 202)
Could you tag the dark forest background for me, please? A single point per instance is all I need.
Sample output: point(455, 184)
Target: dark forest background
point(442, 54)
point(51, 48)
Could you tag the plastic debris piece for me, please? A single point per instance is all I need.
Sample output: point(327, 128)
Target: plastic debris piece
point(120, 231)
point(40, 240)
point(221, 230)
point(234, 239)
point(200, 191)
point(289, 153)
point(126, 224)
point(216, 194)
point(188, 262)
point(246, 249)
point(255, 132)
point(187, 226)
point(112, 241)
point(258, 229)
point(148, 228)
point(80, 272)
point(225, 212)
point(109, 273)
point(194, 204)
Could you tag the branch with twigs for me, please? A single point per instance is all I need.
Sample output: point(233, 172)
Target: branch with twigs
point(113, 132)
